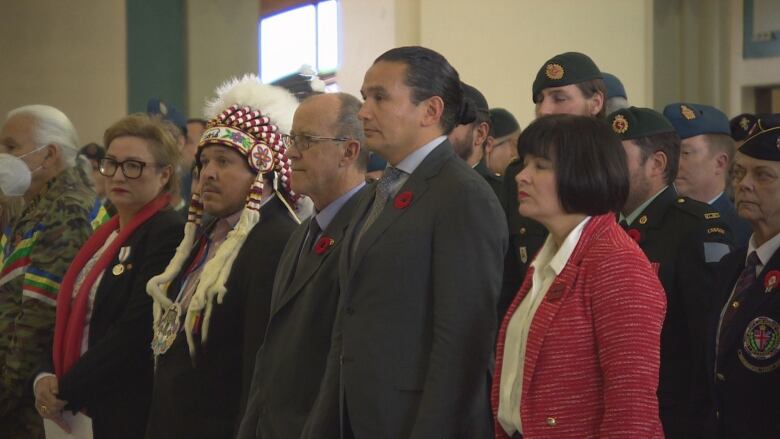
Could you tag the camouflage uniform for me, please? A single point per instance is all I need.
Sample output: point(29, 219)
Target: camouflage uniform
point(36, 251)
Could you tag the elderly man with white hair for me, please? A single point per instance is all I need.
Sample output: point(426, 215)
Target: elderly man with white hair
point(35, 250)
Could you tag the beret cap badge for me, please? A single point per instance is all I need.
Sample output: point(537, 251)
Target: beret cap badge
point(619, 124)
point(687, 112)
point(554, 71)
point(744, 123)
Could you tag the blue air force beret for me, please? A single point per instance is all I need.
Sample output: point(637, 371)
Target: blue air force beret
point(502, 123)
point(168, 112)
point(565, 69)
point(740, 125)
point(634, 122)
point(615, 88)
point(764, 140)
point(693, 119)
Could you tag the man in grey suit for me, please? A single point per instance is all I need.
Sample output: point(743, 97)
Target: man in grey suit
point(328, 164)
point(420, 272)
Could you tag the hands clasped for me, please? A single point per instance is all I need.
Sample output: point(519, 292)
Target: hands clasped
point(47, 403)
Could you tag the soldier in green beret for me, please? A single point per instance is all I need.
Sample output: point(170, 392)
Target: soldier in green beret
point(35, 251)
point(568, 83)
point(683, 239)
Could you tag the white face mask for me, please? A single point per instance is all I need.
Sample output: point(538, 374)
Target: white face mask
point(15, 175)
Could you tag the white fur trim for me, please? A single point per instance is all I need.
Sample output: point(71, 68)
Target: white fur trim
point(274, 102)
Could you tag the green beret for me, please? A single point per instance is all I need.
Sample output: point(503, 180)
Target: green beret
point(633, 123)
point(565, 69)
point(764, 140)
point(502, 123)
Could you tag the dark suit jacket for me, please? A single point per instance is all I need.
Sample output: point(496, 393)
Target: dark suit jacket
point(202, 397)
point(416, 325)
point(745, 385)
point(495, 181)
point(291, 362)
point(739, 227)
point(673, 232)
point(113, 379)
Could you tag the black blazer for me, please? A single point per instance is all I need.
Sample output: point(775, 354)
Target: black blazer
point(291, 362)
point(113, 379)
point(674, 233)
point(203, 397)
point(745, 380)
point(413, 339)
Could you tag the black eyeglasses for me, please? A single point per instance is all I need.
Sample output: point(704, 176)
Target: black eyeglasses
point(302, 142)
point(130, 168)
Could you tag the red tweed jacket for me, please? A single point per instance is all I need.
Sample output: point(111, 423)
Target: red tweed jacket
point(592, 358)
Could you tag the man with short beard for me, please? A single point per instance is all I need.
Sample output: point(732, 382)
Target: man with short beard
point(682, 238)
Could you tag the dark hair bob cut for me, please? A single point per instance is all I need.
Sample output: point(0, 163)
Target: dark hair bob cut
point(591, 171)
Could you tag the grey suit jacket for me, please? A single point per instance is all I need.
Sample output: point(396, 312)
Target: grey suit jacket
point(291, 361)
point(414, 335)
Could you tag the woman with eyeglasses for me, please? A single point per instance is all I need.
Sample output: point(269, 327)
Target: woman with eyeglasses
point(101, 360)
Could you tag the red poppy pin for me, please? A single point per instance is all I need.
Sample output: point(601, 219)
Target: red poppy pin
point(323, 245)
point(634, 234)
point(770, 280)
point(403, 200)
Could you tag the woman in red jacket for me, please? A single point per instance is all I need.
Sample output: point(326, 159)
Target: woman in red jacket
point(578, 351)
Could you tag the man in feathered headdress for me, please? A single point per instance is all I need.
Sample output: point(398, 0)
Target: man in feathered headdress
point(212, 302)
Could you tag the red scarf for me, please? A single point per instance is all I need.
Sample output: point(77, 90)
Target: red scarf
point(72, 313)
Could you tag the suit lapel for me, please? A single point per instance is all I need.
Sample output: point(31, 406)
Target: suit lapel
point(363, 202)
point(309, 261)
point(417, 185)
point(652, 217)
point(756, 297)
point(558, 292)
point(545, 314)
point(290, 259)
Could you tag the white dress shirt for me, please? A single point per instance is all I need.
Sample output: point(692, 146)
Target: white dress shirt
point(547, 266)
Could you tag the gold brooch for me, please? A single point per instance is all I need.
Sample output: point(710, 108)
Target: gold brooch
point(619, 124)
point(554, 71)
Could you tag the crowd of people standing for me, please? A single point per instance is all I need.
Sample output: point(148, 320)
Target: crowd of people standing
point(410, 264)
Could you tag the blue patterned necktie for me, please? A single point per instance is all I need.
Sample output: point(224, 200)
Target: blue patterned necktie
point(383, 187)
point(746, 280)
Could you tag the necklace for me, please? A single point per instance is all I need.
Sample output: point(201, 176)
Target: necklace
point(167, 328)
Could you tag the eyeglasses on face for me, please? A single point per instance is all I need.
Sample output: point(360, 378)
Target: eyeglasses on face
point(302, 142)
point(130, 168)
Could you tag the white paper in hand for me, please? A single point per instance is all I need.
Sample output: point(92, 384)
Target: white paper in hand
point(80, 427)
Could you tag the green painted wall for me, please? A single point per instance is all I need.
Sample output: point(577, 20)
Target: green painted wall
point(156, 48)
